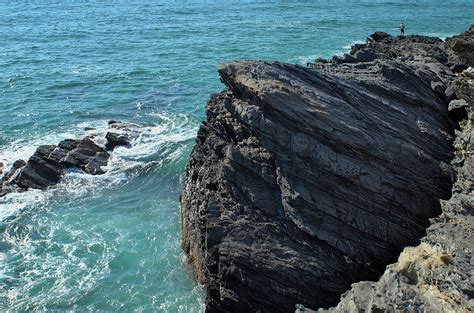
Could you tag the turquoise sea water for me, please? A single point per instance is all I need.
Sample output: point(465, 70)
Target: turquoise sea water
point(112, 242)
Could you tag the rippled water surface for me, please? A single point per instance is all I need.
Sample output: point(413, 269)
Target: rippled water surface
point(111, 242)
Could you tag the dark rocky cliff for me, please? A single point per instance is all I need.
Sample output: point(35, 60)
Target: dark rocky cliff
point(305, 180)
point(435, 276)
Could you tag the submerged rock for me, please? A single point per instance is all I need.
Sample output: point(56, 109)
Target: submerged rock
point(305, 180)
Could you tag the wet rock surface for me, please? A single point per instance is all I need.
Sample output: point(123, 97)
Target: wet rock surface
point(5, 182)
point(46, 166)
point(121, 134)
point(305, 180)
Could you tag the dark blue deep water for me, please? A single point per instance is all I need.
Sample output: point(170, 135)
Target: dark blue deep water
point(112, 242)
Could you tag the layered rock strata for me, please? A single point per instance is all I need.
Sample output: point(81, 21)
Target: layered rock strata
point(305, 180)
point(437, 275)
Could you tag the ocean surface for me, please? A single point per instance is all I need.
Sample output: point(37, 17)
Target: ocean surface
point(112, 242)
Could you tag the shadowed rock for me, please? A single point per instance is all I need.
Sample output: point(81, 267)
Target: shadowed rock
point(43, 169)
point(46, 166)
point(121, 134)
point(15, 167)
point(435, 276)
point(5, 182)
point(461, 48)
point(305, 180)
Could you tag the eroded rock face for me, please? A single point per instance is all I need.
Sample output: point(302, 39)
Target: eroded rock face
point(462, 48)
point(435, 276)
point(304, 180)
point(46, 166)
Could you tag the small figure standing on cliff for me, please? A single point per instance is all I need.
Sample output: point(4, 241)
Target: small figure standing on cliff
point(402, 29)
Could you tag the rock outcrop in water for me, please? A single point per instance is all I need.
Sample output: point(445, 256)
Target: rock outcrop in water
point(46, 166)
point(305, 180)
point(121, 134)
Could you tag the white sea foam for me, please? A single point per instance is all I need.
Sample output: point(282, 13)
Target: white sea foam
point(442, 36)
point(55, 270)
point(348, 46)
point(14, 202)
point(303, 60)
